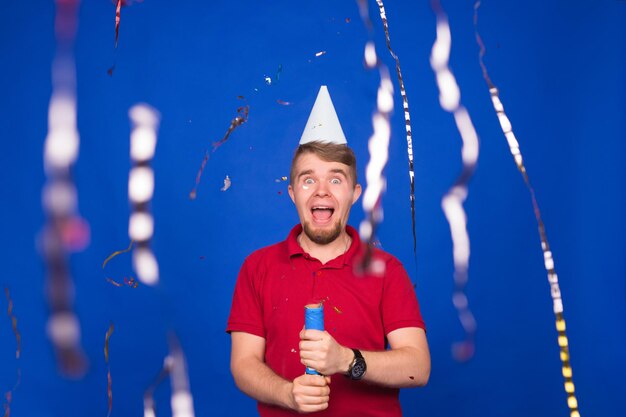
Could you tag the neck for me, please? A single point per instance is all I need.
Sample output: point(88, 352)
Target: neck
point(327, 252)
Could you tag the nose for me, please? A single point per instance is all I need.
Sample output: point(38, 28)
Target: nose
point(322, 189)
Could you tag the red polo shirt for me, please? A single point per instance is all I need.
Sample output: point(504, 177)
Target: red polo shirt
point(276, 282)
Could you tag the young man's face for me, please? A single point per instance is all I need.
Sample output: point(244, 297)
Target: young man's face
point(323, 194)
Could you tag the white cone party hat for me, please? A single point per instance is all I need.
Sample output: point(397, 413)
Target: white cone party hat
point(323, 124)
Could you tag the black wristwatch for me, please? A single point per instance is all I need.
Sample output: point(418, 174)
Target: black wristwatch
point(357, 367)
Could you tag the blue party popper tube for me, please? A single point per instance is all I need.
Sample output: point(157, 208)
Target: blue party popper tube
point(313, 319)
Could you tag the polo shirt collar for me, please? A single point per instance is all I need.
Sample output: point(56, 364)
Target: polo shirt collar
point(293, 248)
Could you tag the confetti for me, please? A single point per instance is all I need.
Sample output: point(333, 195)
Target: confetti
point(284, 103)
point(18, 336)
point(128, 282)
point(106, 341)
point(407, 119)
point(65, 230)
point(378, 146)
point(119, 252)
point(241, 118)
point(143, 138)
point(363, 11)
point(107, 337)
point(182, 400)
point(337, 310)
point(268, 80)
point(131, 282)
point(74, 233)
point(555, 291)
point(118, 12)
point(452, 202)
point(112, 281)
point(278, 71)
point(320, 53)
point(148, 395)
point(18, 349)
point(227, 183)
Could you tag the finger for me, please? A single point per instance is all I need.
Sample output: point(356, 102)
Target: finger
point(313, 350)
point(315, 341)
point(313, 381)
point(308, 345)
point(314, 399)
point(314, 392)
point(305, 395)
point(310, 408)
point(312, 334)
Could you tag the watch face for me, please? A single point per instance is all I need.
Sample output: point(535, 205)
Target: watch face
point(358, 369)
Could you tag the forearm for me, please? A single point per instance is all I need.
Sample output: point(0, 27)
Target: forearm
point(398, 368)
point(405, 364)
point(257, 380)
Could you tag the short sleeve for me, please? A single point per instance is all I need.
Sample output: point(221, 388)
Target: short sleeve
point(399, 306)
point(246, 312)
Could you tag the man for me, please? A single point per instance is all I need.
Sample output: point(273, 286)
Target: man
point(374, 342)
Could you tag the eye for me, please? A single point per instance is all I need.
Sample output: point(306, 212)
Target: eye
point(335, 181)
point(309, 181)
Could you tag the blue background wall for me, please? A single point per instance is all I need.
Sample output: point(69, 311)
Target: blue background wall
point(560, 67)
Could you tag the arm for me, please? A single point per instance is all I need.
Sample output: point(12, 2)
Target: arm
point(307, 393)
point(405, 364)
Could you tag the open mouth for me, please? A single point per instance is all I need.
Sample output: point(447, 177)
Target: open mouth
point(322, 213)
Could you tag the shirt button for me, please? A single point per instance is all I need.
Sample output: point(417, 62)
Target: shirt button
point(318, 273)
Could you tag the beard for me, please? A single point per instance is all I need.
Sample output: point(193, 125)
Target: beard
point(321, 236)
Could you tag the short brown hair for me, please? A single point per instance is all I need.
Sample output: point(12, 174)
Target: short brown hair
point(329, 152)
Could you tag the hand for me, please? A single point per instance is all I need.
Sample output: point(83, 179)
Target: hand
point(310, 393)
point(320, 351)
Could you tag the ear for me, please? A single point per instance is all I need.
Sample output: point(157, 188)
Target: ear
point(290, 190)
point(356, 193)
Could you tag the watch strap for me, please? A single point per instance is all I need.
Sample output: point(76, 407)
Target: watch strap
point(357, 355)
